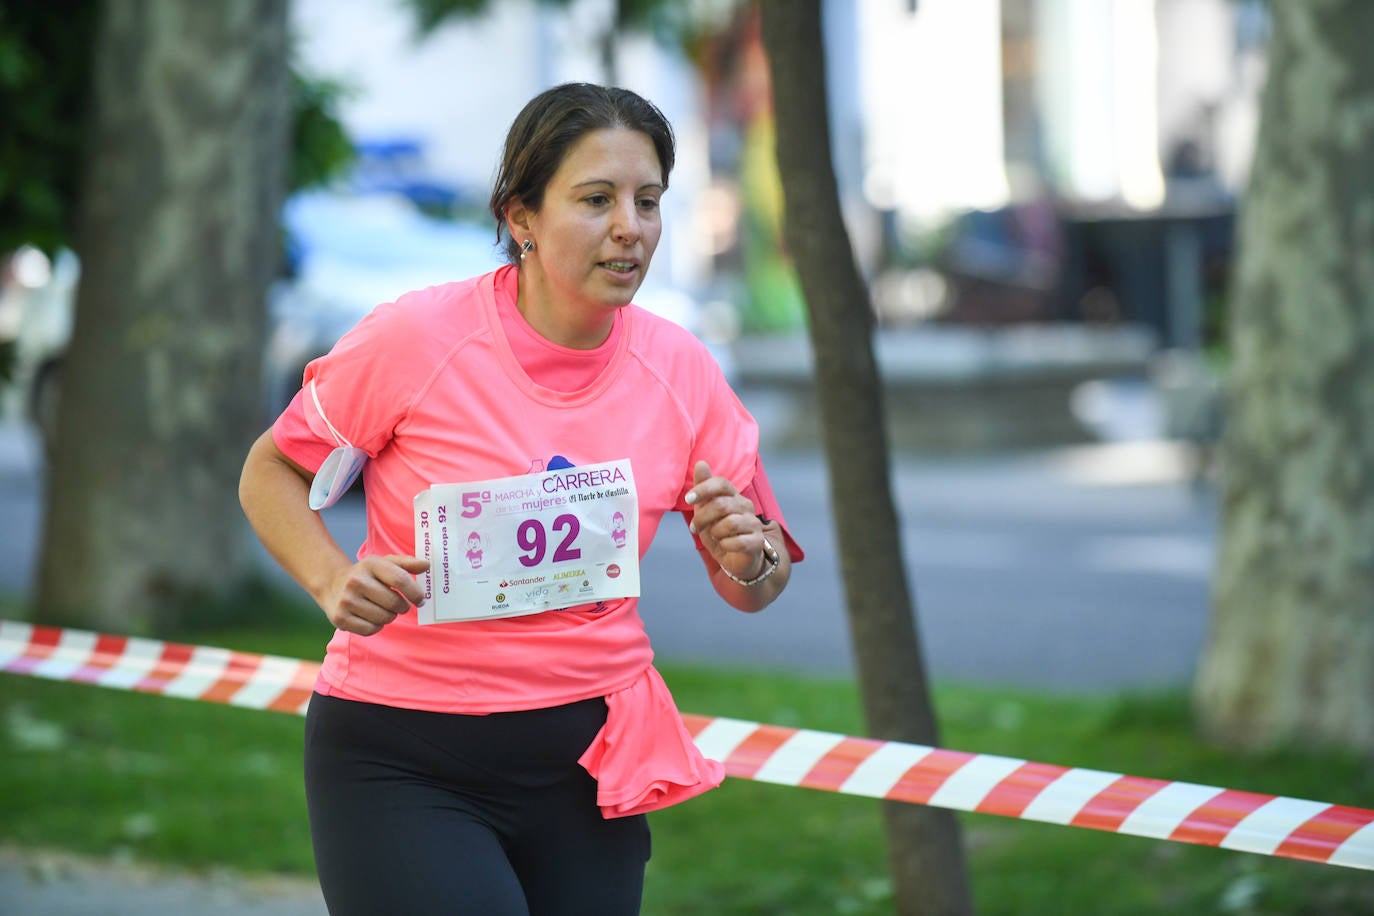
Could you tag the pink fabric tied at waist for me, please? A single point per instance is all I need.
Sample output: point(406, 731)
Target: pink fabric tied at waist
point(644, 758)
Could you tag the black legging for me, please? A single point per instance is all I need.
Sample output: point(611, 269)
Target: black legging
point(429, 813)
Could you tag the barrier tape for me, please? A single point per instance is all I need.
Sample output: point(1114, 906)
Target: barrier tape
point(985, 783)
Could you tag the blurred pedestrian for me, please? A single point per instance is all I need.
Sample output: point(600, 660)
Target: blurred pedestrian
point(503, 763)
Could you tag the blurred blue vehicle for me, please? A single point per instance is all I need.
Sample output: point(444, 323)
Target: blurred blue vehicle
point(347, 254)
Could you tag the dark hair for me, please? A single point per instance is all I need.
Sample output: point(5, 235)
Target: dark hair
point(549, 125)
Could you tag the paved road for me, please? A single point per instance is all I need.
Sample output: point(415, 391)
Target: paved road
point(1075, 569)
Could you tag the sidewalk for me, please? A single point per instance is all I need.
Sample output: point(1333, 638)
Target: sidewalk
point(48, 883)
point(954, 390)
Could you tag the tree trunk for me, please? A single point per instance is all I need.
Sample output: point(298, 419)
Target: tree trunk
point(178, 236)
point(925, 851)
point(1291, 655)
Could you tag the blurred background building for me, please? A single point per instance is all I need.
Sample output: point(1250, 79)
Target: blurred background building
point(1023, 163)
point(1030, 159)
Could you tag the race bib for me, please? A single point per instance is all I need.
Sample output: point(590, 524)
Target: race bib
point(526, 544)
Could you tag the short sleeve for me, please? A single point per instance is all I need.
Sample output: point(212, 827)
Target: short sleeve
point(358, 392)
point(292, 434)
point(727, 439)
point(726, 435)
point(760, 492)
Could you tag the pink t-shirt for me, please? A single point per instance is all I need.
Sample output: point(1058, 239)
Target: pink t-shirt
point(432, 389)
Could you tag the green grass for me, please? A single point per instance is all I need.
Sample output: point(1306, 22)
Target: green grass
point(192, 784)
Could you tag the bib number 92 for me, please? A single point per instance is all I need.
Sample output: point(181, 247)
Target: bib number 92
point(533, 539)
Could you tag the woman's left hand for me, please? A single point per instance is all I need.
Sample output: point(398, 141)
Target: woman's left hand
point(726, 522)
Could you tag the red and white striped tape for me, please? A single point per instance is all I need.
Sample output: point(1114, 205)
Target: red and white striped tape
point(1178, 811)
point(152, 666)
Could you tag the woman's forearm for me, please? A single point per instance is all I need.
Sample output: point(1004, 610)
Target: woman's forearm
point(274, 492)
point(757, 597)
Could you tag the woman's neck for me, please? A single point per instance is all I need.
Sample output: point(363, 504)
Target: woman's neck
point(577, 329)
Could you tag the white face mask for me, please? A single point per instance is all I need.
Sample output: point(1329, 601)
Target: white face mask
point(339, 470)
point(336, 475)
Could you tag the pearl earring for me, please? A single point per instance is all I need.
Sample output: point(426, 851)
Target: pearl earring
point(525, 248)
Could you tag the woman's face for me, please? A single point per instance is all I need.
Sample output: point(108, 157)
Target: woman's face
point(598, 227)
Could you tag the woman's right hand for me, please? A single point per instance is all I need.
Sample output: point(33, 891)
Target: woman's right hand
point(368, 595)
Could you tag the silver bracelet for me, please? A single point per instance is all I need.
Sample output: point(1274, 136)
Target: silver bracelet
point(771, 561)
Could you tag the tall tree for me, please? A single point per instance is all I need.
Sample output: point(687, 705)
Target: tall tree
point(177, 230)
point(1291, 654)
point(925, 852)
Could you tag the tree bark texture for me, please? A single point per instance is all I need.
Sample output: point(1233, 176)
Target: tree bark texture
point(178, 237)
point(1291, 654)
point(924, 844)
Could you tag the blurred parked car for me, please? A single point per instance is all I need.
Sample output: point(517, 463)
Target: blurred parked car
point(346, 254)
point(1038, 261)
point(353, 252)
point(36, 309)
point(400, 165)
point(350, 253)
